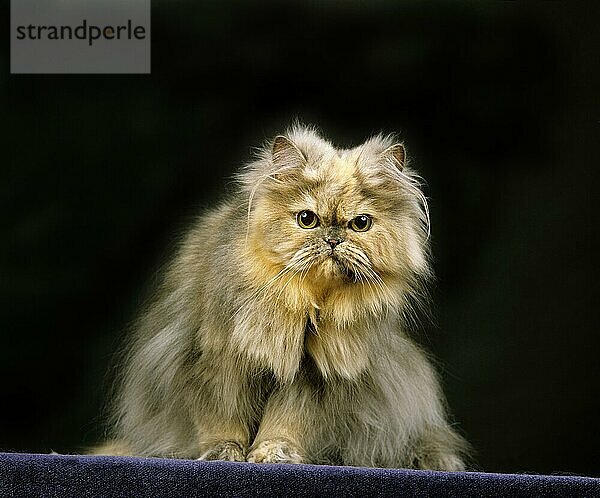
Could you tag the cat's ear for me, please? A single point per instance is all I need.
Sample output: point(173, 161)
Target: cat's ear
point(286, 155)
point(396, 154)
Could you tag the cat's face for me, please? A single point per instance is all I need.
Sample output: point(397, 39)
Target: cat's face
point(339, 218)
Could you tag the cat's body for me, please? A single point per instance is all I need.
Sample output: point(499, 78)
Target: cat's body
point(278, 334)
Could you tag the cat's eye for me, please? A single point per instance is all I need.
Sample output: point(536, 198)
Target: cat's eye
point(361, 223)
point(307, 219)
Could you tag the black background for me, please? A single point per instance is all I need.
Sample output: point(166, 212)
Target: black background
point(498, 106)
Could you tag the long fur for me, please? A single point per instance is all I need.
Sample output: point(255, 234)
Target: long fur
point(265, 344)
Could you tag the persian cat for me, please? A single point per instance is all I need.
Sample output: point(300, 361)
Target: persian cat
point(279, 331)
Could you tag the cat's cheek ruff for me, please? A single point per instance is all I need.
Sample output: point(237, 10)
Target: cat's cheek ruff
point(400, 248)
point(282, 239)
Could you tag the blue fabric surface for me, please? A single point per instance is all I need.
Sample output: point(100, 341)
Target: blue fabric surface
point(86, 476)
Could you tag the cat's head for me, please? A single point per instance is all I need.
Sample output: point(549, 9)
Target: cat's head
point(337, 218)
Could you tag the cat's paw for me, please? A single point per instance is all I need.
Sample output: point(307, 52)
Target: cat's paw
point(275, 452)
point(229, 451)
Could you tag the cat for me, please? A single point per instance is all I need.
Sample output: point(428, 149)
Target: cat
point(279, 332)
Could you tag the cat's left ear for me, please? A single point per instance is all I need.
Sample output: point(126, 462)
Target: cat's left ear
point(396, 154)
point(287, 157)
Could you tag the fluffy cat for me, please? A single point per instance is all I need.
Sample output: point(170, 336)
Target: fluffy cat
point(278, 334)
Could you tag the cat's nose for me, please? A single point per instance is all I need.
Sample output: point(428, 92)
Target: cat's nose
point(333, 241)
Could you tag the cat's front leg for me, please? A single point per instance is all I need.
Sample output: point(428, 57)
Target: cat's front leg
point(229, 446)
point(440, 448)
point(290, 427)
point(223, 411)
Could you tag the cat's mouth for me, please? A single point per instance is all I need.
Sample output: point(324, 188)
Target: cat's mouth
point(334, 266)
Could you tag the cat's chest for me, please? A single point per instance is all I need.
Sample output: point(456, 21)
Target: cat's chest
point(336, 348)
point(279, 338)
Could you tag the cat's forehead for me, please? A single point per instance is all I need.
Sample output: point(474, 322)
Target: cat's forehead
point(332, 187)
point(334, 170)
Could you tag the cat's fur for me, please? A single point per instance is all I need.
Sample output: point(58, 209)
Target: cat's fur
point(267, 344)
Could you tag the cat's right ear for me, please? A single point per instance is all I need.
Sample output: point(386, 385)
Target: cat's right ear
point(396, 155)
point(286, 156)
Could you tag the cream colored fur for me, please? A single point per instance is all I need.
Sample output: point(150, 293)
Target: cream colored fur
point(264, 344)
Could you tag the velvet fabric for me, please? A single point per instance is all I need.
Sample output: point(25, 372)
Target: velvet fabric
point(32, 475)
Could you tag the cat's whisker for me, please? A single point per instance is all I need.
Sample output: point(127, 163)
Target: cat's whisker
point(372, 286)
point(359, 254)
point(372, 276)
point(380, 282)
point(296, 258)
point(305, 272)
point(361, 260)
point(373, 290)
point(272, 281)
point(357, 269)
point(303, 266)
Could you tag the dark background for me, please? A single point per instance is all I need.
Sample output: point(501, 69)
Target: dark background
point(498, 106)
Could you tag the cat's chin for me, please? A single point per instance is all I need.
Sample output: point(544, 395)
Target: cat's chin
point(346, 273)
point(333, 268)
